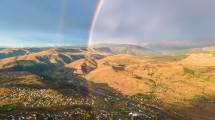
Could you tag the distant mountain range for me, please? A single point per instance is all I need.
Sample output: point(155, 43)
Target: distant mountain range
point(125, 49)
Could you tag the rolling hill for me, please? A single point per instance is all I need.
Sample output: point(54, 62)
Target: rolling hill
point(53, 82)
point(174, 85)
point(124, 49)
point(108, 81)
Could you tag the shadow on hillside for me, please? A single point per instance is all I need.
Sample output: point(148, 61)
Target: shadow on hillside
point(64, 81)
point(195, 109)
point(53, 76)
point(200, 107)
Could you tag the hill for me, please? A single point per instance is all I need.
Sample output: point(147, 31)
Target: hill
point(201, 59)
point(124, 49)
point(167, 83)
point(47, 85)
point(5, 53)
point(108, 82)
point(49, 56)
point(13, 52)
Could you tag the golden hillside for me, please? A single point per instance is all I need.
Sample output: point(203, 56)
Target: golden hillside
point(200, 59)
point(173, 85)
point(182, 87)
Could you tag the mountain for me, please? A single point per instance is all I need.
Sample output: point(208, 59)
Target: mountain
point(124, 49)
point(49, 56)
point(108, 81)
point(5, 53)
point(52, 82)
point(13, 52)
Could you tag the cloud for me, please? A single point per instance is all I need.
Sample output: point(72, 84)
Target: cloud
point(148, 22)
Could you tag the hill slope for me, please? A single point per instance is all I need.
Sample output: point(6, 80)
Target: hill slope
point(170, 84)
point(201, 59)
point(124, 49)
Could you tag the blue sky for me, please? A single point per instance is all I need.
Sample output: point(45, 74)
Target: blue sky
point(150, 23)
point(157, 23)
point(45, 22)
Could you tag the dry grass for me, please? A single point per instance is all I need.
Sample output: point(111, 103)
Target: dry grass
point(183, 87)
point(174, 83)
point(200, 59)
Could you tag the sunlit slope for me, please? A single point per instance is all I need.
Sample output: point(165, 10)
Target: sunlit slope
point(133, 74)
point(201, 59)
point(172, 84)
point(49, 56)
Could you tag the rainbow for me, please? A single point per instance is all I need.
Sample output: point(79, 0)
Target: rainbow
point(95, 16)
point(62, 19)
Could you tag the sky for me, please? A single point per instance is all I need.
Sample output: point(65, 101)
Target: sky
point(157, 23)
point(45, 22)
point(149, 23)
